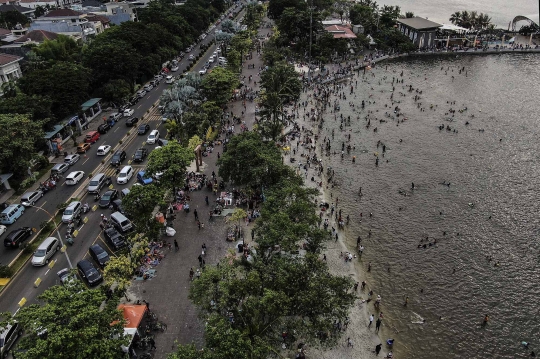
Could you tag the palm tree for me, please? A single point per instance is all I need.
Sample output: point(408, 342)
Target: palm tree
point(455, 18)
point(474, 19)
point(465, 19)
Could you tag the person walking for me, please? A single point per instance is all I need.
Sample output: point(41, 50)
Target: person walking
point(191, 273)
point(176, 247)
point(378, 349)
point(378, 324)
point(206, 200)
point(370, 320)
point(196, 214)
point(349, 343)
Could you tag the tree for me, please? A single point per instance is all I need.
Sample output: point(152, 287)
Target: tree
point(115, 90)
point(140, 203)
point(219, 84)
point(79, 323)
point(251, 163)
point(365, 16)
point(13, 18)
point(171, 162)
point(388, 16)
point(58, 83)
point(409, 15)
point(23, 137)
point(37, 107)
point(455, 18)
point(276, 7)
point(39, 11)
point(119, 271)
point(63, 48)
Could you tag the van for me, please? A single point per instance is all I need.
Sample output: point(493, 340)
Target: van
point(8, 336)
point(125, 175)
point(29, 198)
point(153, 137)
point(11, 214)
point(71, 211)
point(45, 251)
point(92, 137)
point(121, 222)
point(96, 183)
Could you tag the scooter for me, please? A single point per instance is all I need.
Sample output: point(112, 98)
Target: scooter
point(70, 239)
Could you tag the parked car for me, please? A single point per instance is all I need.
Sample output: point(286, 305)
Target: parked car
point(92, 137)
point(169, 79)
point(71, 159)
point(148, 87)
point(142, 179)
point(143, 129)
point(66, 276)
point(104, 128)
point(29, 198)
point(191, 57)
point(130, 122)
point(128, 112)
point(162, 142)
point(134, 100)
point(203, 71)
point(83, 148)
point(99, 254)
point(71, 211)
point(74, 177)
point(174, 68)
point(89, 273)
point(115, 116)
point(114, 238)
point(15, 238)
point(154, 83)
point(103, 150)
point(107, 198)
point(8, 337)
point(59, 168)
point(141, 93)
point(118, 157)
point(117, 206)
point(140, 154)
point(158, 78)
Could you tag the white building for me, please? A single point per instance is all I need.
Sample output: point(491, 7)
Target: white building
point(9, 68)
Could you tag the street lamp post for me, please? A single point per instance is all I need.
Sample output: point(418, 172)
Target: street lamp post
point(57, 232)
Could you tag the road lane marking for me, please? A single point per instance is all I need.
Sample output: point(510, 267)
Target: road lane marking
point(87, 158)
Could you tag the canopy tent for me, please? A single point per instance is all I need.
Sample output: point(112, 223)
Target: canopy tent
point(133, 314)
point(450, 27)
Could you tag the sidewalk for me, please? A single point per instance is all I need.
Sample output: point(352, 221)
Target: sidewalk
point(167, 293)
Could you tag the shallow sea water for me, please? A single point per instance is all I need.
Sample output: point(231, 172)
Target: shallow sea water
point(492, 173)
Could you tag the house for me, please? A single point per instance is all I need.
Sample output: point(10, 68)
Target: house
point(101, 23)
point(12, 7)
point(9, 68)
point(33, 4)
point(422, 32)
point(66, 22)
point(340, 31)
point(36, 37)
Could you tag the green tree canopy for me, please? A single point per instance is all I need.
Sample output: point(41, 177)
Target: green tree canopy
point(219, 84)
point(171, 162)
point(66, 84)
point(79, 322)
point(140, 203)
point(63, 48)
point(23, 136)
point(276, 7)
point(12, 18)
point(37, 107)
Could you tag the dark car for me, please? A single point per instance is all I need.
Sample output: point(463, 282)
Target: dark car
point(143, 129)
point(118, 157)
point(134, 100)
point(131, 121)
point(117, 206)
point(99, 254)
point(15, 238)
point(89, 272)
point(107, 198)
point(104, 128)
point(114, 238)
point(162, 142)
point(154, 82)
point(140, 155)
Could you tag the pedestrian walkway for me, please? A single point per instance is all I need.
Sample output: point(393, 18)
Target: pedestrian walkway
point(168, 291)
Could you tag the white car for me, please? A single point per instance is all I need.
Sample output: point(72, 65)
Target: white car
point(3, 229)
point(128, 112)
point(214, 54)
point(103, 150)
point(191, 57)
point(71, 159)
point(203, 71)
point(211, 59)
point(174, 68)
point(74, 177)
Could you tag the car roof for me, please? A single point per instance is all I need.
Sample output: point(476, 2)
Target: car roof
point(97, 248)
point(73, 174)
point(59, 165)
point(85, 264)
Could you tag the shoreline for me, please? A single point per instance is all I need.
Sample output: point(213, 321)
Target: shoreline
point(363, 338)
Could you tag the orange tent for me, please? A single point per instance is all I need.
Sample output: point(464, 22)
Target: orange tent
point(133, 314)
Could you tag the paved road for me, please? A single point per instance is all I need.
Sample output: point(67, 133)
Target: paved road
point(89, 233)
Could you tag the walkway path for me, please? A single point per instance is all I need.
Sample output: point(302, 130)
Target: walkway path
point(167, 293)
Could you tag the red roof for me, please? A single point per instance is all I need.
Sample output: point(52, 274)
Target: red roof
point(133, 314)
point(62, 13)
point(6, 59)
point(37, 36)
point(340, 32)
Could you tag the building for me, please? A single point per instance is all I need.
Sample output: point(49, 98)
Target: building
point(422, 32)
point(9, 68)
point(66, 22)
point(12, 7)
point(36, 37)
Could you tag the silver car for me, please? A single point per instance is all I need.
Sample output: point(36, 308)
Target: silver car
point(71, 159)
point(71, 211)
point(29, 198)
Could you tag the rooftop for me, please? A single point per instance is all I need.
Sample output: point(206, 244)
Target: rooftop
point(9, 7)
point(341, 32)
point(63, 13)
point(419, 23)
point(37, 36)
point(6, 59)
